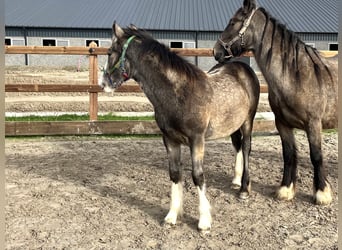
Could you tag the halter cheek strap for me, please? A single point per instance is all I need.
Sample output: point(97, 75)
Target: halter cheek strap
point(123, 58)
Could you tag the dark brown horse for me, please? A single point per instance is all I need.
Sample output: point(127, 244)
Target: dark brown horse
point(302, 87)
point(190, 106)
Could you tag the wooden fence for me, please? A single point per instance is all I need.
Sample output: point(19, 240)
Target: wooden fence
point(93, 126)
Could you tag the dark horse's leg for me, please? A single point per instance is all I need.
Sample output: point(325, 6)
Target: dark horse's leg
point(197, 154)
point(322, 190)
point(175, 169)
point(287, 188)
point(238, 168)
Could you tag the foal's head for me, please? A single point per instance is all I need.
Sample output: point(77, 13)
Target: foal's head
point(118, 68)
point(236, 37)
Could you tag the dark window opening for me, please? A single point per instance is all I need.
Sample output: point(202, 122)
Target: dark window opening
point(49, 42)
point(88, 42)
point(333, 46)
point(176, 45)
point(8, 41)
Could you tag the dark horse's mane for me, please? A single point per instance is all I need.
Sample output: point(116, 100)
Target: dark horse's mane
point(292, 45)
point(167, 58)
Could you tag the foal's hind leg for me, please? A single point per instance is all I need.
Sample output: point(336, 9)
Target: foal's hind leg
point(175, 170)
point(287, 188)
point(197, 154)
point(238, 168)
point(322, 189)
point(246, 150)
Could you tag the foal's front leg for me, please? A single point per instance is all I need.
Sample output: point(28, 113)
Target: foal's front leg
point(174, 156)
point(197, 154)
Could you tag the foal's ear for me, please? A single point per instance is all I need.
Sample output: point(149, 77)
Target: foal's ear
point(133, 27)
point(249, 5)
point(117, 30)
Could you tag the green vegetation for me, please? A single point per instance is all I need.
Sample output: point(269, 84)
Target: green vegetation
point(330, 131)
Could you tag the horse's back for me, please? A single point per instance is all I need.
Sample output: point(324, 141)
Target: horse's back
point(235, 75)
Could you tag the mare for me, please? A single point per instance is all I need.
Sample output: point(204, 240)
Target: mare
point(302, 88)
point(190, 106)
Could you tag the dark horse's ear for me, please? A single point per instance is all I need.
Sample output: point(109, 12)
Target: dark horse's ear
point(248, 5)
point(117, 30)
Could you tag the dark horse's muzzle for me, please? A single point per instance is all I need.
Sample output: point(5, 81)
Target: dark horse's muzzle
point(220, 53)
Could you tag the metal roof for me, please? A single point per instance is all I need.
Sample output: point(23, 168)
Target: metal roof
point(306, 16)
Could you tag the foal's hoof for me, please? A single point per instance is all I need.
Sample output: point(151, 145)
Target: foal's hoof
point(323, 197)
point(243, 195)
point(204, 232)
point(236, 183)
point(167, 225)
point(235, 186)
point(204, 229)
point(170, 219)
point(204, 225)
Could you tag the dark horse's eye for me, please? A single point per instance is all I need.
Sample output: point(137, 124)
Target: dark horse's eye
point(109, 52)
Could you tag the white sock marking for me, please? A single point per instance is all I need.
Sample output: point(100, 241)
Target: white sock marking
point(176, 205)
point(238, 170)
point(204, 210)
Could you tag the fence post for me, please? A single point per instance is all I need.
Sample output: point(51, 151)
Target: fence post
point(93, 97)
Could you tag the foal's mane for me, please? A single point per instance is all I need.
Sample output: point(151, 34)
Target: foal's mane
point(167, 58)
point(291, 44)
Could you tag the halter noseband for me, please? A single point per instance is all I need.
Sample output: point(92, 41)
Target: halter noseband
point(121, 63)
point(228, 46)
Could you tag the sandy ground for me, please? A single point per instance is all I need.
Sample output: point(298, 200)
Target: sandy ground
point(98, 193)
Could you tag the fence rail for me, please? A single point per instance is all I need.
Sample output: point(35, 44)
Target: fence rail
point(100, 128)
point(93, 50)
point(93, 126)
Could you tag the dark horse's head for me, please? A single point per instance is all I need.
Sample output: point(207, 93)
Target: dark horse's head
point(236, 37)
point(118, 68)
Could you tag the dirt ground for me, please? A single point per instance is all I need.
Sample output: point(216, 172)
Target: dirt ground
point(113, 193)
point(98, 193)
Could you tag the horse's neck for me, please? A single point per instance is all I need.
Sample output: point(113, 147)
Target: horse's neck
point(153, 82)
point(263, 47)
point(271, 51)
point(166, 82)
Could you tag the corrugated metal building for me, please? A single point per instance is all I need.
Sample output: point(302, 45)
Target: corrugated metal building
point(177, 23)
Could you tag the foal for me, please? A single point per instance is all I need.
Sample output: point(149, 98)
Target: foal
point(190, 106)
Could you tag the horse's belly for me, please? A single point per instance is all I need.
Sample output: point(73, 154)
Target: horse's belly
point(330, 120)
point(224, 126)
point(330, 116)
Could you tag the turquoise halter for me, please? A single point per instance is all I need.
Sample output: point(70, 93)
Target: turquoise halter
point(121, 63)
